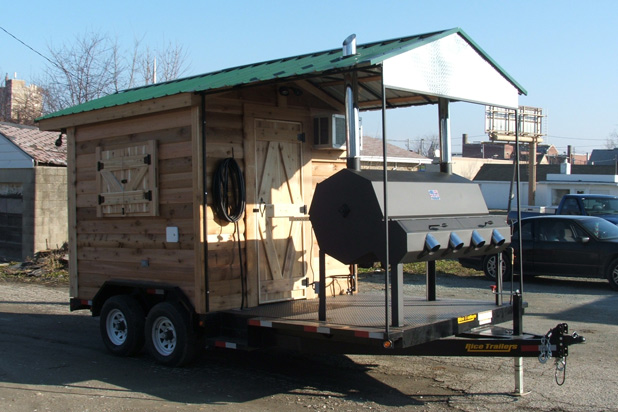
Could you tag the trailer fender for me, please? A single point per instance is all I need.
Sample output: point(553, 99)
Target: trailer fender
point(147, 294)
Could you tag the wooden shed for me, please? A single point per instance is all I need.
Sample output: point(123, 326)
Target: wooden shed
point(141, 165)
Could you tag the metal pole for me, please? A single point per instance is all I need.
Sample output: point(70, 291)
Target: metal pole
point(521, 265)
point(445, 136)
point(499, 275)
point(532, 172)
point(518, 297)
point(387, 313)
point(518, 364)
point(397, 284)
point(205, 201)
point(430, 273)
point(322, 288)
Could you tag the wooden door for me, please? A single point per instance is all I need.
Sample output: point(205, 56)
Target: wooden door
point(279, 189)
point(126, 180)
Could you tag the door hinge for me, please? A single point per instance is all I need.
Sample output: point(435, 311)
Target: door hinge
point(147, 159)
point(101, 199)
point(301, 137)
point(100, 166)
point(148, 195)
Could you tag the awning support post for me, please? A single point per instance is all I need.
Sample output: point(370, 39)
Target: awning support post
point(446, 162)
point(322, 288)
point(387, 311)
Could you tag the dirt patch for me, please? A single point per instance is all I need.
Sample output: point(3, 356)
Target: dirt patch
point(49, 267)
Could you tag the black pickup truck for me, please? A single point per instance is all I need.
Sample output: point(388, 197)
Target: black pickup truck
point(603, 206)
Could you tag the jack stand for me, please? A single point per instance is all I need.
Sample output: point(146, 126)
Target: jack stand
point(518, 363)
point(518, 366)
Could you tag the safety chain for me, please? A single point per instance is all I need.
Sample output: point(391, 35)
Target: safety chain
point(545, 348)
point(560, 368)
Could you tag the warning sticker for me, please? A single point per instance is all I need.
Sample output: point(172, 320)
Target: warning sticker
point(434, 194)
point(466, 319)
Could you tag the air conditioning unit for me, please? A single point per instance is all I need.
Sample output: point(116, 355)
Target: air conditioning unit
point(329, 132)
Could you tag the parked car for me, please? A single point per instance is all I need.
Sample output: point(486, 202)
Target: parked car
point(605, 206)
point(560, 245)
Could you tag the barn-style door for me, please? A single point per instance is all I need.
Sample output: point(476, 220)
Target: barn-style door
point(281, 264)
point(126, 180)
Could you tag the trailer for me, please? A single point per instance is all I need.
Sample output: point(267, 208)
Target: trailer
point(230, 209)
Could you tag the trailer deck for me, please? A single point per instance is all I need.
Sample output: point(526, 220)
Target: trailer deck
point(360, 320)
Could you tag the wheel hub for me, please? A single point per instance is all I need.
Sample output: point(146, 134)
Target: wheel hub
point(164, 336)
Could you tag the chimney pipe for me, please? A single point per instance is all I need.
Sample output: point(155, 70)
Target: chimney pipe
point(351, 108)
point(349, 45)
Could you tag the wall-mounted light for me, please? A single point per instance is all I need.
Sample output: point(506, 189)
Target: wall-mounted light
point(59, 139)
point(285, 91)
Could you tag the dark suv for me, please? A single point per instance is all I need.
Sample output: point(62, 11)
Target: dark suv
point(582, 246)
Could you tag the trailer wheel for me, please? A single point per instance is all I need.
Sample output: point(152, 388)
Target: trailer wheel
point(612, 274)
point(170, 337)
point(490, 267)
point(122, 325)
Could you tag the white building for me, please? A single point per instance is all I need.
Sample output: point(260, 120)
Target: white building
point(553, 181)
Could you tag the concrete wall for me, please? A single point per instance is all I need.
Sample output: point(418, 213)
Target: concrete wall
point(50, 208)
point(44, 209)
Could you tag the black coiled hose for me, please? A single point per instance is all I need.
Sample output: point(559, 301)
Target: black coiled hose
point(229, 200)
point(228, 191)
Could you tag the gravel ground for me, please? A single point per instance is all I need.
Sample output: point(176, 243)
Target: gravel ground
point(53, 360)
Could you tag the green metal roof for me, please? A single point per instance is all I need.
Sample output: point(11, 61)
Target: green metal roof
point(289, 68)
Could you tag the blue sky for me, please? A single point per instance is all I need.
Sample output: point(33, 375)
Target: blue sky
point(564, 53)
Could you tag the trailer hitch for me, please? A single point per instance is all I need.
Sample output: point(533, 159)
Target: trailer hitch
point(559, 339)
point(496, 341)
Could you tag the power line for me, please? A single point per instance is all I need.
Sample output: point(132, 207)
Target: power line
point(28, 46)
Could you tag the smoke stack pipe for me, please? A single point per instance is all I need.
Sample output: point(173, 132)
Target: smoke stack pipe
point(569, 154)
point(351, 108)
point(349, 45)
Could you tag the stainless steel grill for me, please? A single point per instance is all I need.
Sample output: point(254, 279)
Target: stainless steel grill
point(431, 216)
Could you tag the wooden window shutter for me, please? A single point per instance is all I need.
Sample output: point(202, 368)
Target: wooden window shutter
point(127, 180)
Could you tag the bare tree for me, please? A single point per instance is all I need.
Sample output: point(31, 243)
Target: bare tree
point(427, 146)
point(95, 66)
point(171, 62)
point(153, 66)
point(612, 140)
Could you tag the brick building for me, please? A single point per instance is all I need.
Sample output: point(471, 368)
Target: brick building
point(20, 103)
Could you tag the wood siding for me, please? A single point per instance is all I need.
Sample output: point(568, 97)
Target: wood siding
point(135, 247)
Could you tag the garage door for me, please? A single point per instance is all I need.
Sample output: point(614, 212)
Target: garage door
point(11, 212)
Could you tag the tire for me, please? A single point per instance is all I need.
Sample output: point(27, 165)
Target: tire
point(122, 325)
point(170, 337)
point(490, 268)
point(612, 274)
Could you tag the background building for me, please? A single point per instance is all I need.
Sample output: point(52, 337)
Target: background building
point(20, 103)
point(33, 191)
